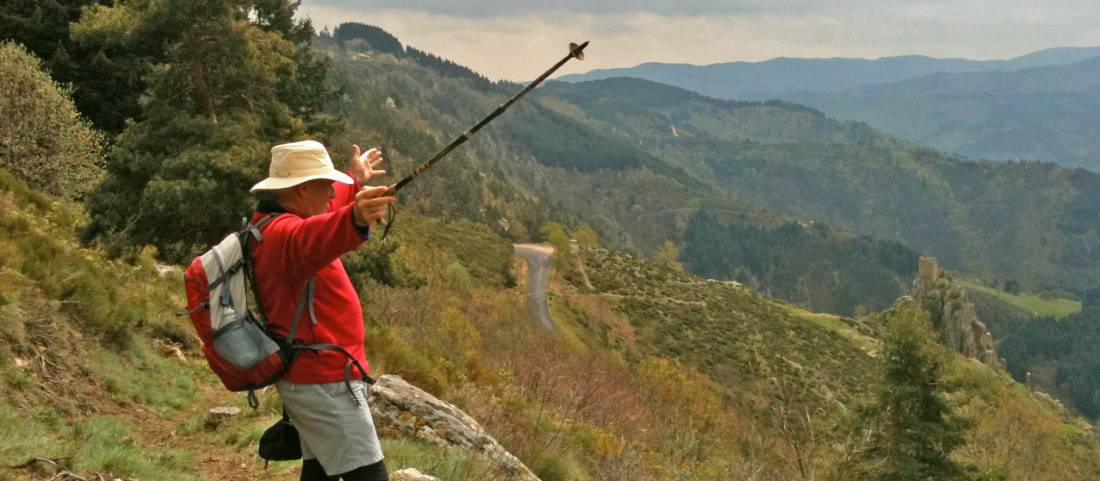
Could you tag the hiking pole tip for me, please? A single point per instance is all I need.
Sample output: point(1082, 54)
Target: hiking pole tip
point(577, 51)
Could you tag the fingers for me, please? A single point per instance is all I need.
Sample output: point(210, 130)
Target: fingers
point(369, 192)
point(370, 204)
point(363, 164)
point(370, 156)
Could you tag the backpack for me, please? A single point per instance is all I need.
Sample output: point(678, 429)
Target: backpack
point(238, 345)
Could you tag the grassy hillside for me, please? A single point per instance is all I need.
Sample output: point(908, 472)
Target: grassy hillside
point(654, 374)
point(100, 373)
point(1034, 305)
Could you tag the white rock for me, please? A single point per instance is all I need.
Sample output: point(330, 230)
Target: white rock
point(411, 474)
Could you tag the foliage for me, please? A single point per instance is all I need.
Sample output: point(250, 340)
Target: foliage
point(555, 235)
point(105, 302)
point(375, 38)
point(43, 140)
point(1061, 356)
point(228, 82)
point(586, 237)
point(375, 261)
point(105, 85)
point(448, 68)
point(669, 255)
point(918, 428)
point(812, 265)
point(1027, 221)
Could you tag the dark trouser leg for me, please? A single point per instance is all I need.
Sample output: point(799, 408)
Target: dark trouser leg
point(371, 472)
point(312, 471)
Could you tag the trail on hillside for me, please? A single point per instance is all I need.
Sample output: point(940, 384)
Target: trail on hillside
point(538, 279)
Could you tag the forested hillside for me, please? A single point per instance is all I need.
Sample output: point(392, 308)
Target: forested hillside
point(542, 161)
point(1025, 221)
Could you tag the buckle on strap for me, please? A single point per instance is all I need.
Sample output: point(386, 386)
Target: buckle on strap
point(352, 362)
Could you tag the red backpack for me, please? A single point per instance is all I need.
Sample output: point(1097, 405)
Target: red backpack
point(240, 348)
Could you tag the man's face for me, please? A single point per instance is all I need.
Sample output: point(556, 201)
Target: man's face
point(313, 196)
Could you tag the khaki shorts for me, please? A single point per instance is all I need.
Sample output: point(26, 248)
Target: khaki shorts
point(333, 429)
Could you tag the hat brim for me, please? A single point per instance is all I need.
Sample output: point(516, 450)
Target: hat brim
point(276, 183)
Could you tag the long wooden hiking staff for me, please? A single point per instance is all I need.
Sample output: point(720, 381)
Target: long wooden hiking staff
point(575, 51)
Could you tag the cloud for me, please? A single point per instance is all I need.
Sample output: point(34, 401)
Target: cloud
point(518, 40)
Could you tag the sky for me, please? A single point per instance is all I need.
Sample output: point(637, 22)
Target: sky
point(517, 40)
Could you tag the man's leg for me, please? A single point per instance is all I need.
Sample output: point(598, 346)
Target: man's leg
point(312, 471)
point(370, 472)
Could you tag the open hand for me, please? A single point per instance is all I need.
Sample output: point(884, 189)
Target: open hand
point(363, 164)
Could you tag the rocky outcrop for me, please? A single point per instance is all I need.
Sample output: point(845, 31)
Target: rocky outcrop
point(404, 408)
point(410, 474)
point(953, 313)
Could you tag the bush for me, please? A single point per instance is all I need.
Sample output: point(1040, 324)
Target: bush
point(43, 139)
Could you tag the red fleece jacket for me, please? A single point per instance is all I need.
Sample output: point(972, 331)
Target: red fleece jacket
point(295, 248)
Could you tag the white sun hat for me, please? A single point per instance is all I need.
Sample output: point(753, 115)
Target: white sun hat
point(298, 162)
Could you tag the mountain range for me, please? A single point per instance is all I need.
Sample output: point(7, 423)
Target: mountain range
point(1041, 106)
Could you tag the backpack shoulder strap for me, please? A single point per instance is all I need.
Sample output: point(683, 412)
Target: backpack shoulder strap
point(252, 233)
point(305, 299)
point(254, 229)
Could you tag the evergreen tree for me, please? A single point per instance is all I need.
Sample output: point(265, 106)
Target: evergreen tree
point(106, 82)
point(919, 431)
point(227, 81)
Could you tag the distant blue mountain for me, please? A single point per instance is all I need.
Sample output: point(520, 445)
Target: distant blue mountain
point(1046, 113)
point(783, 77)
point(1044, 105)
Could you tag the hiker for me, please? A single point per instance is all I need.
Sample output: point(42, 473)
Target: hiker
point(324, 213)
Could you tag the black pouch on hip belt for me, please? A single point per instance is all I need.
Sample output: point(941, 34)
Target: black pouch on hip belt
point(280, 442)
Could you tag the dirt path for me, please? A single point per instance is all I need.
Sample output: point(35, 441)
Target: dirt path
point(538, 280)
point(225, 453)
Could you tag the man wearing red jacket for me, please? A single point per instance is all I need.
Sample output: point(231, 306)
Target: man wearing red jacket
point(323, 213)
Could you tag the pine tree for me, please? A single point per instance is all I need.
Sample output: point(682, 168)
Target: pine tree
point(919, 431)
point(227, 80)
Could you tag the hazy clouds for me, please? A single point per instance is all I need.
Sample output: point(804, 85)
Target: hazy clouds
point(517, 40)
